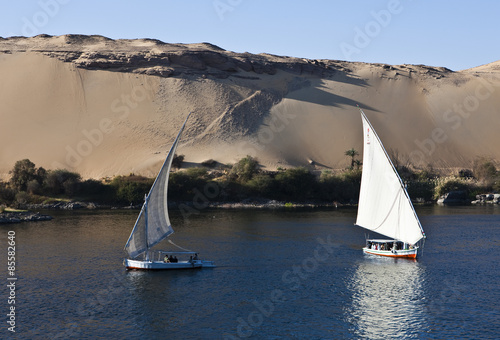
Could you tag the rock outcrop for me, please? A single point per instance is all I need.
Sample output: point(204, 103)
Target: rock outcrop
point(154, 57)
point(454, 198)
point(487, 199)
point(18, 217)
point(64, 206)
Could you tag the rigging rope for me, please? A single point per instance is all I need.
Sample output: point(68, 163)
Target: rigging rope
point(171, 242)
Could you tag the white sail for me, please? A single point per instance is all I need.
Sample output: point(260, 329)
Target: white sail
point(153, 224)
point(384, 205)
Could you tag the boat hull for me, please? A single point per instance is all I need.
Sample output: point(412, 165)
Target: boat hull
point(159, 265)
point(406, 253)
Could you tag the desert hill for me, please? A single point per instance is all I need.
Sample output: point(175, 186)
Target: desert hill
point(104, 107)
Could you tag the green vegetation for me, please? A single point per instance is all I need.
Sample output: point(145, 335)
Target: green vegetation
point(243, 180)
point(130, 189)
point(296, 184)
point(343, 187)
point(353, 153)
point(29, 184)
point(184, 185)
point(177, 161)
point(209, 163)
point(245, 169)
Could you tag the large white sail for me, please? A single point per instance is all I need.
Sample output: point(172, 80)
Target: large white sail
point(384, 205)
point(153, 224)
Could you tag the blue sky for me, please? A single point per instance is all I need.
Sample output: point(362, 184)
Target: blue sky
point(455, 34)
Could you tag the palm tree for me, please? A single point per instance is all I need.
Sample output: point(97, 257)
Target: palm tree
point(352, 153)
point(358, 164)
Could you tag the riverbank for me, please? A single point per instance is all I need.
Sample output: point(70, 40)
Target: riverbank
point(72, 205)
point(250, 203)
point(245, 204)
point(257, 204)
point(22, 216)
point(271, 204)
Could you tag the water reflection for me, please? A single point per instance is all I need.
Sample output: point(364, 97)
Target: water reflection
point(387, 299)
point(168, 302)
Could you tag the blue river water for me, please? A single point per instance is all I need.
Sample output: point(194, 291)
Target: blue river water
point(281, 274)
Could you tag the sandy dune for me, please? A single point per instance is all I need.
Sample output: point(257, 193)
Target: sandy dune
point(102, 107)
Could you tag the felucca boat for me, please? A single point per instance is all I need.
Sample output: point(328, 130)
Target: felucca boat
point(384, 204)
point(153, 225)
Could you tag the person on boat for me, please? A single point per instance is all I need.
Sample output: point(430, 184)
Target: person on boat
point(175, 260)
point(166, 259)
point(195, 257)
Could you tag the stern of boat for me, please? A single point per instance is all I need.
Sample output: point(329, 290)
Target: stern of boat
point(207, 264)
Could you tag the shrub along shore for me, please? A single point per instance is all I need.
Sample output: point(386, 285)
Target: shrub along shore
point(241, 185)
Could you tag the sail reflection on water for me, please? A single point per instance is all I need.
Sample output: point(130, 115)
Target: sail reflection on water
point(388, 299)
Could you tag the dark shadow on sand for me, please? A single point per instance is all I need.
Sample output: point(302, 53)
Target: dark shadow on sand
point(316, 95)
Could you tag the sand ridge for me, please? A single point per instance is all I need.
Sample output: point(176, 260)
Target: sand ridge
point(105, 107)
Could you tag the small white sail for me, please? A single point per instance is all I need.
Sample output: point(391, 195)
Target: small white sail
point(384, 205)
point(153, 224)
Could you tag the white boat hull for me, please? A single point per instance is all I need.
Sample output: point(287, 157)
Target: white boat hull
point(403, 253)
point(160, 265)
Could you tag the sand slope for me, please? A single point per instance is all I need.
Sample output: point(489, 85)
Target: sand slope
point(102, 107)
